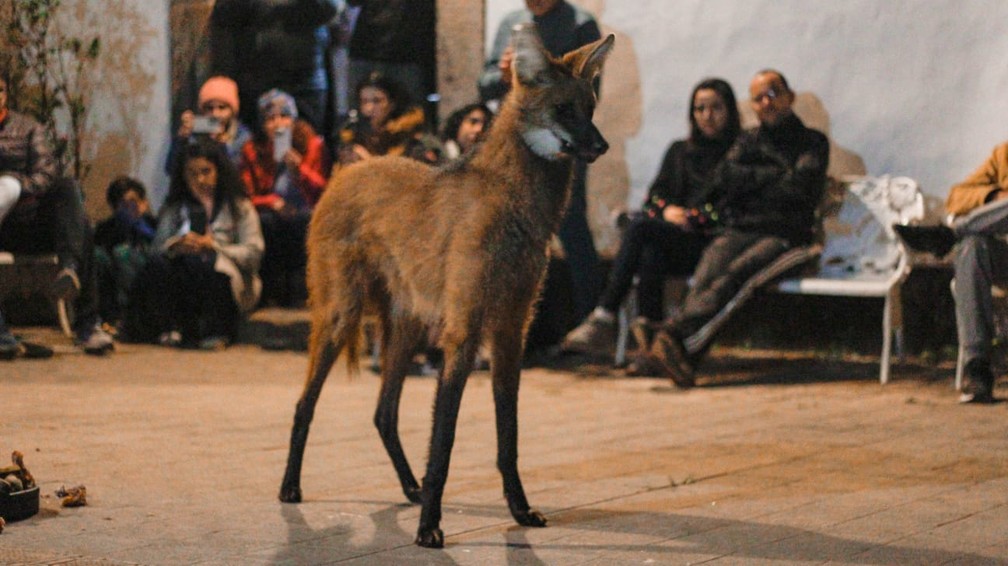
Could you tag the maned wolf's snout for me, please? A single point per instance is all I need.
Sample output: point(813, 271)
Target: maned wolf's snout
point(595, 148)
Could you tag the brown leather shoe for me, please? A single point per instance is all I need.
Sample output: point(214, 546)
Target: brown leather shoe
point(668, 352)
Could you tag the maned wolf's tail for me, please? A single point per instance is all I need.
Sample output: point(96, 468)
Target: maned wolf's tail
point(336, 300)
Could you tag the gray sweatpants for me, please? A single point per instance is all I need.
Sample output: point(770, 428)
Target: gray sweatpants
point(981, 261)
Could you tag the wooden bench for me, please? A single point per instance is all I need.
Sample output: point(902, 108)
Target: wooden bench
point(860, 256)
point(27, 275)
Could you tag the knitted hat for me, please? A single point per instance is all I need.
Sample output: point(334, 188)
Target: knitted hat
point(221, 89)
point(277, 101)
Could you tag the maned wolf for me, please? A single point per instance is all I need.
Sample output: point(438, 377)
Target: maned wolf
point(457, 252)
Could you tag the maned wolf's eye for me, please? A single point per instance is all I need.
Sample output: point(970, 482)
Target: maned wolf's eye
point(565, 111)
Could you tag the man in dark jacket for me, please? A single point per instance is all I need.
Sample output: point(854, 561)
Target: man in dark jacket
point(395, 38)
point(767, 188)
point(42, 214)
point(563, 27)
point(264, 44)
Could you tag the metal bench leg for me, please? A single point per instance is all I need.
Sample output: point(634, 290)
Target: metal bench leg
point(65, 313)
point(887, 339)
point(960, 369)
point(627, 311)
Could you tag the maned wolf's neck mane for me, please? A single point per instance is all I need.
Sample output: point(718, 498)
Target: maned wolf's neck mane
point(544, 183)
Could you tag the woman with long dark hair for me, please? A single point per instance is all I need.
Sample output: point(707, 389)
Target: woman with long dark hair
point(386, 124)
point(209, 244)
point(676, 223)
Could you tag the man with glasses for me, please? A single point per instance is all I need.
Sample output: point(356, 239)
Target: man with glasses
point(767, 190)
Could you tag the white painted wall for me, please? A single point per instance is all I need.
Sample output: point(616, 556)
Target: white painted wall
point(913, 87)
point(128, 121)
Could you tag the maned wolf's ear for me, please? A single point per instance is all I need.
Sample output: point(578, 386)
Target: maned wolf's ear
point(530, 57)
point(586, 61)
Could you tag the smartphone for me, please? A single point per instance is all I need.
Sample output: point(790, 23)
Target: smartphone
point(206, 125)
point(197, 219)
point(281, 144)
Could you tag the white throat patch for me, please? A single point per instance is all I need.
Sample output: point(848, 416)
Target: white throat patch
point(543, 142)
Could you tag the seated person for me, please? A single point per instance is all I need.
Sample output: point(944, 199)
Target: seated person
point(675, 227)
point(205, 274)
point(218, 106)
point(980, 205)
point(464, 128)
point(766, 192)
point(122, 244)
point(284, 170)
point(42, 214)
point(386, 124)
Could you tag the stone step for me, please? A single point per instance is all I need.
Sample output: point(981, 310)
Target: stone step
point(276, 328)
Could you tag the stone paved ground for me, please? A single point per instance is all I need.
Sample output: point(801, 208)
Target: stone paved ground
point(770, 461)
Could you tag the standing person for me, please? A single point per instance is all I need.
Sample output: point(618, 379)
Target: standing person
point(122, 245)
point(387, 124)
point(266, 44)
point(464, 128)
point(980, 206)
point(562, 27)
point(40, 213)
point(193, 292)
point(675, 226)
point(218, 107)
point(766, 192)
point(395, 38)
point(284, 170)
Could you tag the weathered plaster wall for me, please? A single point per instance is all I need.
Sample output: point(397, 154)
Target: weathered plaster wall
point(129, 116)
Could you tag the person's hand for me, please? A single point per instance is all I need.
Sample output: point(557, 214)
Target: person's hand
point(360, 152)
point(129, 210)
point(293, 160)
point(186, 124)
point(278, 204)
point(676, 215)
point(193, 243)
point(507, 57)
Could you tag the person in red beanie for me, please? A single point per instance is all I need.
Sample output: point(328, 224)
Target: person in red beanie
point(218, 118)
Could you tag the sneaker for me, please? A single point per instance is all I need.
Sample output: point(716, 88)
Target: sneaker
point(669, 353)
point(66, 285)
point(171, 339)
point(979, 388)
point(594, 336)
point(10, 347)
point(935, 239)
point(95, 341)
point(214, 343)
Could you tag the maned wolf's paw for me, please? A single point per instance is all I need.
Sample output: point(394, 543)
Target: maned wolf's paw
point(413, 494)
point(430, 538)
point(290, 494)
point(529, 518)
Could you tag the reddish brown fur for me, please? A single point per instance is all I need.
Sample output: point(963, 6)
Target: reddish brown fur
point(460, 250)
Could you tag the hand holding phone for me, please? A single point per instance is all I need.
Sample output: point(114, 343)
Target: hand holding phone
point(281, 144)
point(206, 125)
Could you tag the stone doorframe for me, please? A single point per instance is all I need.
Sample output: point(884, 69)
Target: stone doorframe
point(460, 29)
